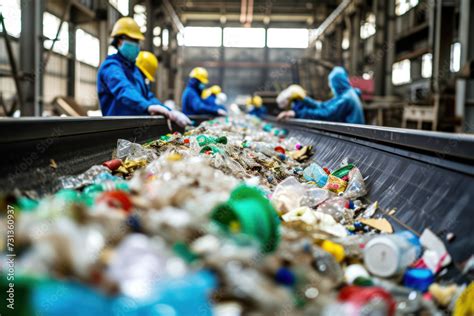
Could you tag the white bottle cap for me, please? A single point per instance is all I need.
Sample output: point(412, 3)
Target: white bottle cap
point(382, 257)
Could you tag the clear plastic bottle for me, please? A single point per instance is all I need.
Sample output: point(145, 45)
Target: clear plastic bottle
point(408, 300)
point(264, 148)
point(326, 265)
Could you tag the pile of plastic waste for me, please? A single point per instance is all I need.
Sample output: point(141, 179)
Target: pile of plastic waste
point(231, 218)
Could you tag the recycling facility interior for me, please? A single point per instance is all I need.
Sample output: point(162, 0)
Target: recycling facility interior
point(405, 55)
point(255, 216)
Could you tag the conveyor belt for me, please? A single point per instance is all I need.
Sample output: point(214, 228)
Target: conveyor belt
point(427, 177)
point(28, 145)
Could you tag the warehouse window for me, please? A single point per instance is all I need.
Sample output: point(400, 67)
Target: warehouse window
point(11, 12)
point(367, 29)
point(180, 38)
point(87, 48)
point(346, 43)
point(157, 36)
point(318, 45)
point(202, 36)
point(455, 64)
point(401, 72)
point(403, 6)
point(165, 39)
point(244, 37)
point(427, 66)
point(139, 15)
point(287, 38)
point(120, 5)
point(50, 28)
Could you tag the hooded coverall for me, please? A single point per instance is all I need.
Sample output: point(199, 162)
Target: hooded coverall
point(344, 107)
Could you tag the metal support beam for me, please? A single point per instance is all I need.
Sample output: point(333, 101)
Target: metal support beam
point(381, 46)
point(104, 40)
point(337, 46)
point(390, 51)
point(172, 58)
point(443, 38)
point(31, 56)
point(355, 43)
point(321, 30)
point(464, 89)
point(170, 11)
point(148, 43)
point(222, 60)
point(266, 59)
point(71, 63)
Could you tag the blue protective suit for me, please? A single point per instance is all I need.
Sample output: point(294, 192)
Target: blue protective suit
point(259, 112)
point(192, 102)
point(344, 107)
point(122, 88)
point(211, 100)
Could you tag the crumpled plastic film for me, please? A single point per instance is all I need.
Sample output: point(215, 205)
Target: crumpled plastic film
point(86, 178)
point(356, 186)
point(133, 151)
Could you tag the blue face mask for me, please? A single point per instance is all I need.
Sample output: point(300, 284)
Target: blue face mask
point(202, 86)
point(129, 50)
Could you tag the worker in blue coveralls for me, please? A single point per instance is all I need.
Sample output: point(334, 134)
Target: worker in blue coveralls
point(256, 107)
point(192, 101)
point(121, 86)
point(344, 107)
point(214, 96)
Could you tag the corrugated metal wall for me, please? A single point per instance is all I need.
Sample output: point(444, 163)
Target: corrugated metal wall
point(55, 78)
point(7, 85)
point(86, 90)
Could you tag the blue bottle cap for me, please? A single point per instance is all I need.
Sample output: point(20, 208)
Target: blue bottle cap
point(285, 276)
point(418, 279)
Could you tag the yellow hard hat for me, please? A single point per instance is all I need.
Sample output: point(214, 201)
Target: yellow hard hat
point(257, 101)
point(215, 89)
point(147, 63)
point(200, 74)
point(297, 92)
point(206, 93)
point(248, 101)
point(127, 26)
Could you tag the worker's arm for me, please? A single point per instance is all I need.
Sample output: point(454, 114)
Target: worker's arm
point(307, 102)
point(127, 95)
point(200, 106)
point(331, 110)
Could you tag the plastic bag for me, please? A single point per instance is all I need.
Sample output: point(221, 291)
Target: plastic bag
point(356, 187)
point(315, 196)
point(315, 173)
point(288, 194)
